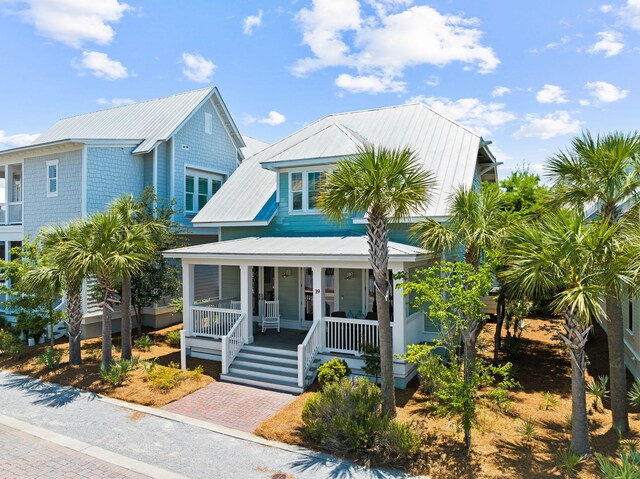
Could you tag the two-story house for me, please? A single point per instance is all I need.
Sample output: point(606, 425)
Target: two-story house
point(283, 265)
point(185, 146)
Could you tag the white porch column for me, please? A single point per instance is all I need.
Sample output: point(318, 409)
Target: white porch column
point(317, 293)
point(7, 186)
point(188, 291)
point(399, 317)
point(246, 300)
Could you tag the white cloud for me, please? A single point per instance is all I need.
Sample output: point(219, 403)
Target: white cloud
point(433, 80)
point(548, 126)
point(630, 14)
point(382, 44)
point(274, 118)
point(101, 66)
point(551, 94)
point(606, 8)
point(19, 139)
point(115, 101)
point(197, 68)
point(500, 91)
point(471, 112)
point(368, 84)
point(73, 22)
point(251, 22)
point(605, 92)
point(611, 43)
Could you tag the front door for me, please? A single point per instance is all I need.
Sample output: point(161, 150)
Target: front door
point(263, 283)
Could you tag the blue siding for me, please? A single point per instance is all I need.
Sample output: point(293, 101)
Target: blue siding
point(148, 168)
point(40, 210)
point(112, 172)
point(163, 171)
point(214, 151)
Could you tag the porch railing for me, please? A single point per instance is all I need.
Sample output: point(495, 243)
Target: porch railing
point(348, 336)
point(213, 322)
point(232, 343)
point(308, 350)
point(15, 213)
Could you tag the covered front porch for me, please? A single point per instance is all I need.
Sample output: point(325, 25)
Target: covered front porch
point(306, 297)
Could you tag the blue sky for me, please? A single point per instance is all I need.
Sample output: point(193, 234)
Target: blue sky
point(527, 77)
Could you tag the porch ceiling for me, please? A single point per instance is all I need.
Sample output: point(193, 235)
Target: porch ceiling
point(337, 248)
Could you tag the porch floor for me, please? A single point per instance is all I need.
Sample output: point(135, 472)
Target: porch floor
point(287, 339)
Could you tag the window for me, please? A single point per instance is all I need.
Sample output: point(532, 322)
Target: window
point(208, 123)
point(630, 317)
point(304, 188)
point(52, 178)
point(199, 187)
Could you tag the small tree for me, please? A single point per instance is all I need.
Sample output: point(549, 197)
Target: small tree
point(158, 278)
point(34, 303)
point(451, 294)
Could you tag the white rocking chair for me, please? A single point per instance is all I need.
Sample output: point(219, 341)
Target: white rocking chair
point(270, 315)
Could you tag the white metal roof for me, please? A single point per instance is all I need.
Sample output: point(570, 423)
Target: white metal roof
point(252, 146)
point(147, 121)
point(445, 147)
point(352, 247)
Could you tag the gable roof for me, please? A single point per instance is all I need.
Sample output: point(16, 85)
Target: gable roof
point(148, 121)
point(252, 146)
point(447, 148)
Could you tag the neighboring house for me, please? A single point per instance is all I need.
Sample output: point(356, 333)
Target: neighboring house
point(185, 146)
point(282, 261)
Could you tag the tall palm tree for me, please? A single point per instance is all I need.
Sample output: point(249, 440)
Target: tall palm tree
point(604, 173)
point(388, 185)
point(109, 251)
point(60, 244)
point(472, 230)
point(559, 257)
point(128, 209)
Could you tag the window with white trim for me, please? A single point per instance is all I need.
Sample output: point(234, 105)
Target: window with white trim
point(199, 187)
point(208, 123)
point(52, 178)
point(304, 187)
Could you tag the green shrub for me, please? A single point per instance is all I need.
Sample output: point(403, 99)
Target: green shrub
point(173, 339)
point(634, 393)
point(527, 429)
point(549, 401)
point(625, 466)
point(149, 364)
point(371, 356)
point(164, 378)
point(118, 371)
point(143, 343)
point(569, 462)
point(598, 389)
point(10, 344)
point(347, 416)
point(333, 371)
point(50, 358)
point(430, 366)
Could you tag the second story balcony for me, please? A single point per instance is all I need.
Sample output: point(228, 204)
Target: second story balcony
point(11, 196)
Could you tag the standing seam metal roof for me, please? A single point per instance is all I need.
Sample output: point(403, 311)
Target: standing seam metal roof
point(148, 121)
point(445, 147)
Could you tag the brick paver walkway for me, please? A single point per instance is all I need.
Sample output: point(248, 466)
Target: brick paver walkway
point(26, 456)
point(231, 405)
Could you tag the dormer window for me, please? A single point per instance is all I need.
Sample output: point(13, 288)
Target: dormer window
point(199, 187)
point(304, 187)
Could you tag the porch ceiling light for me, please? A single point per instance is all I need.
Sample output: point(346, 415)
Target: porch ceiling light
point(286, 273)
point(349, 276)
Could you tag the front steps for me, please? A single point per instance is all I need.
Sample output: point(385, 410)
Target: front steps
point(267, 368)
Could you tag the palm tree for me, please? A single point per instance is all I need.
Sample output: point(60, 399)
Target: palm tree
point(388, 185)
point(559, 257)
point(473, 229)
point(604, 173)
point(111, 250)
point(61, 244)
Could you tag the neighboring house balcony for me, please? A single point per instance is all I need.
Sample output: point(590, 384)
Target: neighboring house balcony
point(11, 202)
point(289, 304)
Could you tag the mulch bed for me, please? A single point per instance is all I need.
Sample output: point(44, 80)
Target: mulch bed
point(499, 451)
point(135, 389)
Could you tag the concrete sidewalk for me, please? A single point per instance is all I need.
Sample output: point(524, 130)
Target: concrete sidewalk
point(165, 440)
